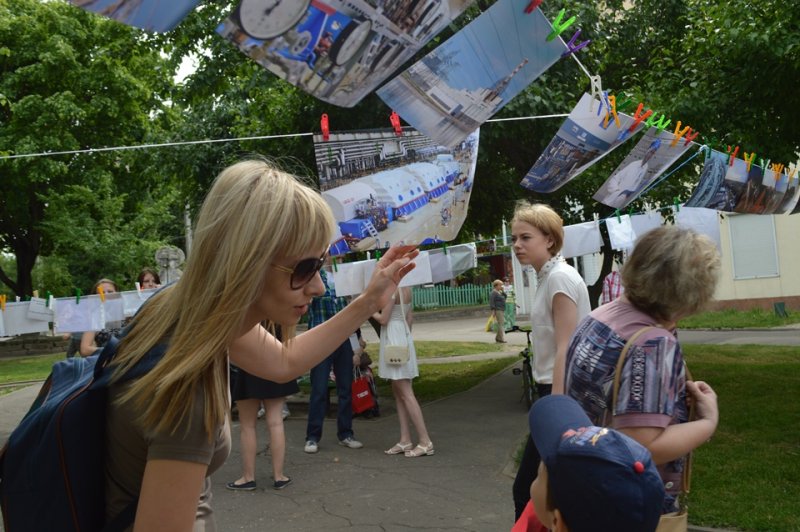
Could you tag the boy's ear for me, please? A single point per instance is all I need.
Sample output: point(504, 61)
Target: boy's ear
point(558, 524)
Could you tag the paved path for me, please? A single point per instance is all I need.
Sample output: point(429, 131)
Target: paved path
point(465, 486)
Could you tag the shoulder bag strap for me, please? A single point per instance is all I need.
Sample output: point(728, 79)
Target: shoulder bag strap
point(687, 466)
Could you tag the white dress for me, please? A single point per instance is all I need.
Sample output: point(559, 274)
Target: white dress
point(394, 332)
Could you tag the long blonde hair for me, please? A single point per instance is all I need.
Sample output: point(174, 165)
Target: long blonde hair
point(253, 216)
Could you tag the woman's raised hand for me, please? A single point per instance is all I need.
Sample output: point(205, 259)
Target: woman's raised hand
point(390, 270)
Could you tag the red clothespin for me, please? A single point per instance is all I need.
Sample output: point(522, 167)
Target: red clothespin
point(531, 7)
point(638, 117)
point(732, 153)
point(572, 47)
point(394, 118)
point(323, 124)
point(749, 160)
point(678, 134)
point(690, 136)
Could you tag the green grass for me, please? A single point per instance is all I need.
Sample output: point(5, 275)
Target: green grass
point(747, 477)
point(441, 380)
point(27, 368)
point(432, 349)
point(737, 319)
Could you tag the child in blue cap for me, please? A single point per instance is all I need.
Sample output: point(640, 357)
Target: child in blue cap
point(590, 478)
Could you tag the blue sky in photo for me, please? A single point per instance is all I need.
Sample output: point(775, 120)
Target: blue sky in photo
point(494, 44)
point(153, 15)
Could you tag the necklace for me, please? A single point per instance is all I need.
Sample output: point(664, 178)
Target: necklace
point(549, 265)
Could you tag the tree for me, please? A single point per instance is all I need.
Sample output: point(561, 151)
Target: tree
point(68, 80)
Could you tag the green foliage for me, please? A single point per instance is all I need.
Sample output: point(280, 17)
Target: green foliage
point(745, 475)
point(27, 368)
point(69, 80)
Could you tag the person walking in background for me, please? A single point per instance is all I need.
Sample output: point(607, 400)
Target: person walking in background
point(396, 319)
point(671, 273)
point(148, 279)
point(560, 302)
point(92, 340)
point(323, 308)
point(497, 304)
point(612, 287)
point(249, 392)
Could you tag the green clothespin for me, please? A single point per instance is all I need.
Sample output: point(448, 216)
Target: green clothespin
point(77, 296)
point(677, 204)
point(627, 102)
point(335, 267)
point(630, 211)
point(444, 248)
point(48, 296)
point(660, 124)
point(619, 218)
point(764, 164)
point(558, 27)
point(377, 254)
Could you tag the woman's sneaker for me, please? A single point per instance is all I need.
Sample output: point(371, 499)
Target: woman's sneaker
point(311, 447)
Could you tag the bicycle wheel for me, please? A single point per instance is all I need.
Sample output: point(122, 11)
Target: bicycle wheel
point(527, 383)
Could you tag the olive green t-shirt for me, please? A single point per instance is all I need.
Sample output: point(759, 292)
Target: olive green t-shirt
point(128, 448)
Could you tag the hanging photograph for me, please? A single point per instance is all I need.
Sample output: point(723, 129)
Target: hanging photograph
point(757, 192)
point(583, 139)
point(721, 184)
point(651, 156)
point(385, 189)
point(336, 50)
point(453, 90)
point(150, 15)
point(781, 181)
point(790, 198)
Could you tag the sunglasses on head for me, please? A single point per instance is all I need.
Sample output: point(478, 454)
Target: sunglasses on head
point(303, 272)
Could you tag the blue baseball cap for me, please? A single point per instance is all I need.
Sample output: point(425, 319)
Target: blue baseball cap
point(599, 478)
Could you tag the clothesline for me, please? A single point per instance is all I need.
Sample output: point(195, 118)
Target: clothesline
point(212, 141)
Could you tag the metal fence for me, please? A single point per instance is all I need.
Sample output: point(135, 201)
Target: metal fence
point(439, 296)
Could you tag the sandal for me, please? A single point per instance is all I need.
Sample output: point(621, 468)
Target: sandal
point(420, 450)
point(399, 448)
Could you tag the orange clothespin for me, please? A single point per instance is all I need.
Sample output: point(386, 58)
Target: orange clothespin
point(394, 118)
point(101, 293)
point(749, 160)
point(690, 136)
point(531, 7)
point(638, 117)
point(325, 127)
point(678, 134)
point(732, 153)
point(3, 302)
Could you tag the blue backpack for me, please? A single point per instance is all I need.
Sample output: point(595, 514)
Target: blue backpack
point(52, 469)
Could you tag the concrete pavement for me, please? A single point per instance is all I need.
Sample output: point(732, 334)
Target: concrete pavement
point(465, 486)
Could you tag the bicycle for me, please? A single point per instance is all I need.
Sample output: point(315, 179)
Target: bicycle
point(528, 384)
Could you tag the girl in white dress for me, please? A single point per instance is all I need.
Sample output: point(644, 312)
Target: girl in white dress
point(396, 318)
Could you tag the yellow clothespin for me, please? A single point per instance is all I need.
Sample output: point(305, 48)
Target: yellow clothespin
point(749, 161)
point(101, 293)
point(778, 169)
point(3, 302)
point(612, 111)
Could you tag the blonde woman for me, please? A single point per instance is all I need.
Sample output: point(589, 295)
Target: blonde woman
point(260, 240)
point(560, 302)
point(395, 319)
point(671, 273)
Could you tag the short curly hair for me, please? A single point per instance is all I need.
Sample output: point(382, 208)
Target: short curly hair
point(671, 273)
point(543, 218)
